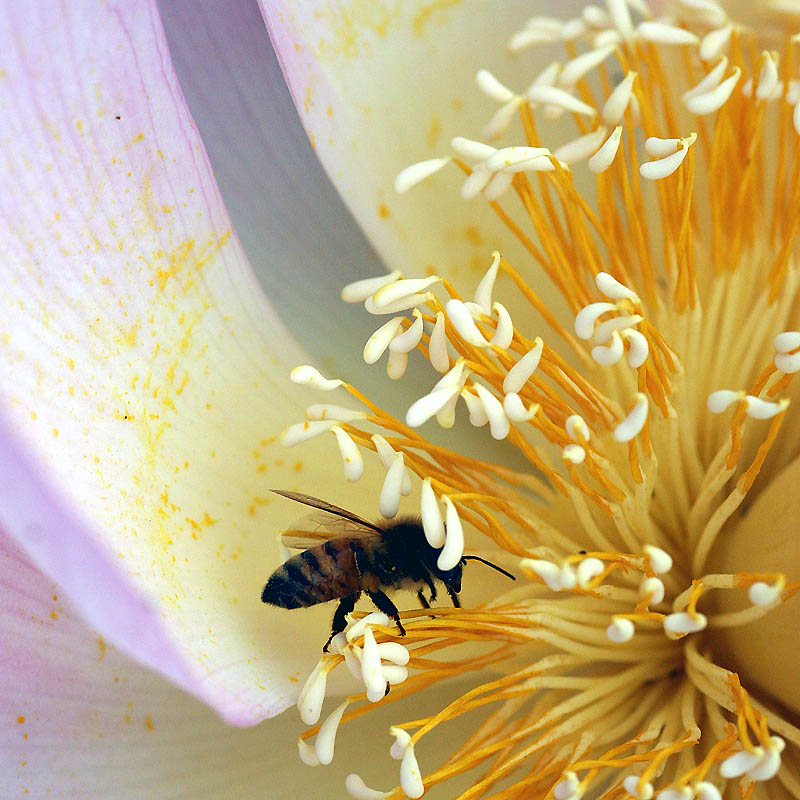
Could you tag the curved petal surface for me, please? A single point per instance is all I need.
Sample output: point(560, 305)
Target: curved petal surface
point(382, 85)
point(302, 242)
point(142, 373)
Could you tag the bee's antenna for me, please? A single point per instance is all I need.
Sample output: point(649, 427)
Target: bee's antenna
point(488, 564)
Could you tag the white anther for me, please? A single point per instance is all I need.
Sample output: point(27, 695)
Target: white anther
point(498, 186)
point(476, 182)
point(718, 401)
point(573, 453)
point(432, 522)
point(796, 117)
point(769, 763)
point(765, 594)
point(587, 569)
point(454, 538)
point(446, 416)
point(631, 786)
point(351, 660)
point(359, 291)
point(504, 333)
point(588, 315)
point(581, 148)
point(501, 119)
point(515, 409)
point(377, 343)
point(338, 643)
point(632, 425)
point(410, 776)
point(609, 354)
point(604, 330)
point(393, 652)
point(528, 37)
point(373, 618)
point(787, 341)
point(329, 411)
point(509, 156)
point(572, 29)
point(661, 33)
point(706, 791)
point(403, 304)
point(613, 289)
point(429, 405)
point(483, 294)
point(638, 348)
point(469, 148)
point(617, 103)
point(309, 701)
point(595, 17)
point(550, 95)
point(705, 12)
point(301, 431)
point(456, 376)
point(401, 740)
point(568, 788)
point(713, 100)
point(351, 455)
point(684, 793)
point(396, 365)
point(576, 428)
point(387, 454)
point(656, 170)
point(768, 77)
point(417, 173)
point(462, 321)
point(714, 42)
point(736, 765)
point(394, 673)
point(658, 148)
point(557, 578)
point(326, 736)
point(660, 560)
point(709, 82)
point(582, 65)
point(521, 372)
point(389, 500)
point(607, 38)
point(401, 289)
point(371, 671)
point(787, 363)
point(764, 409)
point(605, 156)
point(477, 411)
point(653, 589)
point(492, 87)
point(437, 348)
point(307, 375)
point(406, 341)
point(499, 425)
point(620, 17)
point(358, 790)
point(682, 623)
point(307, 753)
point(620, 630)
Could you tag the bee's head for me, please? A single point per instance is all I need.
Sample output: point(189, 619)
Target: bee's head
point(451, 578)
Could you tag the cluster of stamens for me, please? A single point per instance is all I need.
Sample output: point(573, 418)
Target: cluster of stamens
point(613, 522)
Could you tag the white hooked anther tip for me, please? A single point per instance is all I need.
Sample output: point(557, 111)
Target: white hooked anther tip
point(620, 630)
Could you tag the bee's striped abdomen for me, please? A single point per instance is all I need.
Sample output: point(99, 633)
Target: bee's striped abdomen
point(325, 572)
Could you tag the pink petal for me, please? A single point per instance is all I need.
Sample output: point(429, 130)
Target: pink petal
point(142, 373)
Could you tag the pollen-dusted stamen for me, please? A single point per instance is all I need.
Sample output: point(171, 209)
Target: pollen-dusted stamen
point(358, 790)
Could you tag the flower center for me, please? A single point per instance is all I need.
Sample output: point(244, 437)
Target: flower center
point(646, 421)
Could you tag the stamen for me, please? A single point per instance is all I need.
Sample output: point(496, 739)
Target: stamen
point(715, 42)
point(359, 790)
point(492, 87)
point(522, 371)
point(632, 425)
point(389, 501)
point(660, 561)
point(432, 522)
point(577, 68)
point(454, 538)
point(515, 409)
point(620, 630)
point(310, 376)
point(351, 455)
point(377, 343)
point(326, 736)
point(312, 695)
point(581, 148)
point(417, 173)
point(483, 294)
point(410, 338)
point(617, 103)
point(359, 291)
point(605, 156)
point(307, 753)
point(661, 33)
point(302, 431)
point(329, 411)
point(560, 98)
point(437, 349)
point(371, 670)
point(499, 425)
point(469, 148)
point(410, 776)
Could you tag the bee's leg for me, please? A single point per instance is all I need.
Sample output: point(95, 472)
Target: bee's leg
point(388, 607)
point(454, 597)
point(346, 605)
point(422, 601)
point(432, 587)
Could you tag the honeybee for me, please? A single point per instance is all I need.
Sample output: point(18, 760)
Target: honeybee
point(345, 555)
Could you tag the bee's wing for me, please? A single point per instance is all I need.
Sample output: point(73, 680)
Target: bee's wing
point(329, 522)
point(318, 528)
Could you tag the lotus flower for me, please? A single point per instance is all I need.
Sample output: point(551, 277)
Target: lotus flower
point(626, 363)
